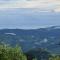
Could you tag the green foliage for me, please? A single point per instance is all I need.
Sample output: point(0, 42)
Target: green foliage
point(15, 53)
point(55, 57)
point(34, 58)
point(9, 53)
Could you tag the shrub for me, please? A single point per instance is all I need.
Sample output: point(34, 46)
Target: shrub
point(55, 57)
point(10, 53)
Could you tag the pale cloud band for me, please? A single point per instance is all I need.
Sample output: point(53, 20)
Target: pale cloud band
point(43, 5)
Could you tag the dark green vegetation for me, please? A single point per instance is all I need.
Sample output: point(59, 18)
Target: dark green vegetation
point(48, 38)
point(15, 53)
point(36, 44)
point(39, 54)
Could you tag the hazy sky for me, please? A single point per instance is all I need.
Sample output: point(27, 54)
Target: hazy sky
point(28, 18)
point(47, 5)
point(28, 14)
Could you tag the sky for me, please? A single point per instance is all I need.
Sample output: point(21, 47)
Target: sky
point(28, 19)
point(29, 14)
point(47, 5)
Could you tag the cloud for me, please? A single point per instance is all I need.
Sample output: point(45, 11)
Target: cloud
point(43, 5)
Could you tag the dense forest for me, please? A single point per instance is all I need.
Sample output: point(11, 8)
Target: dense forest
point(35, 44)
point(16, 53)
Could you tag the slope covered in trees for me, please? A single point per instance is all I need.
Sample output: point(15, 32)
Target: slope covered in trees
point(15, 53)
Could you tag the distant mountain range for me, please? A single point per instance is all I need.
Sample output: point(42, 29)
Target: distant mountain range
point(48, 38)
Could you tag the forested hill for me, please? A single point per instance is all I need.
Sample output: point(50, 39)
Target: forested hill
point(48, 38)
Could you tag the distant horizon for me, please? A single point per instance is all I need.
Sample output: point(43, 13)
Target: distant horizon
point(30, 28)
point(28, 18)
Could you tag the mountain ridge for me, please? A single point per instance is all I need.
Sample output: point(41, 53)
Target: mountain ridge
point(48, 38)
